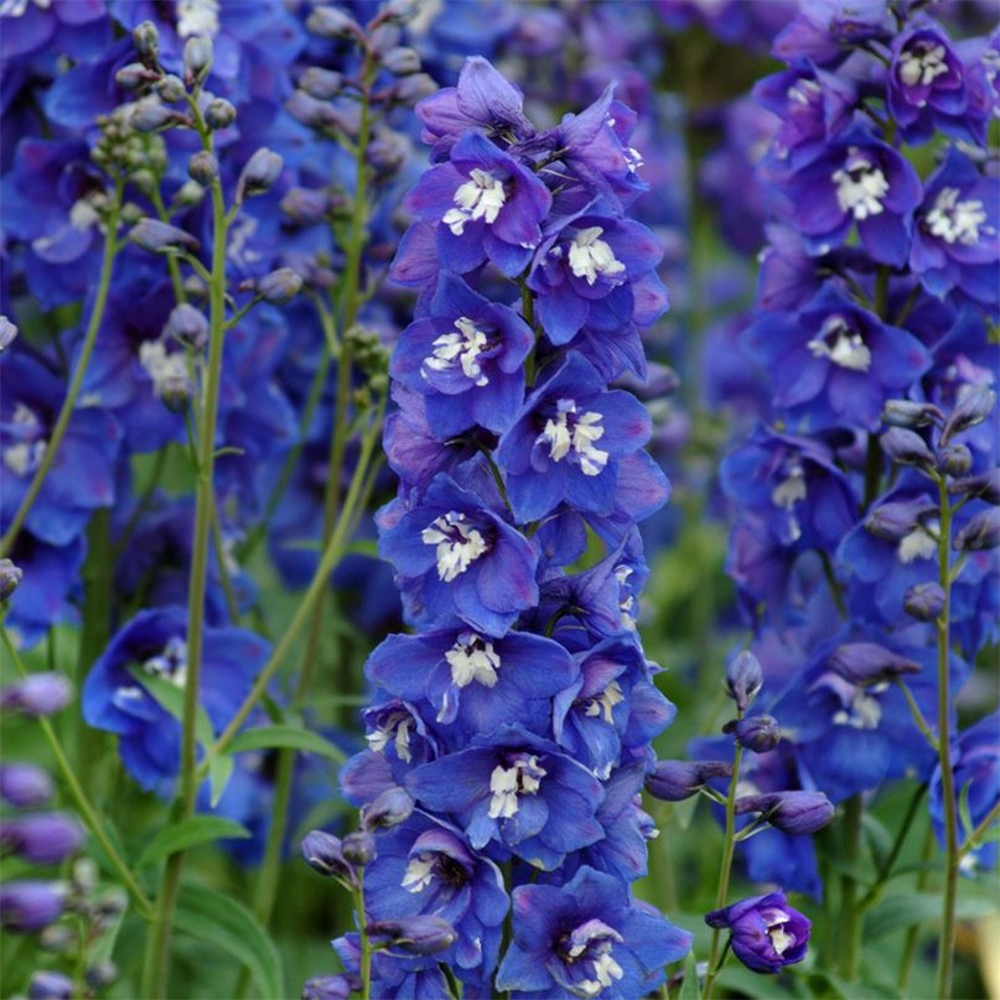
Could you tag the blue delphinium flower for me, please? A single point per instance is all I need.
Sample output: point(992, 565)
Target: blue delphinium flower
point(766, 934)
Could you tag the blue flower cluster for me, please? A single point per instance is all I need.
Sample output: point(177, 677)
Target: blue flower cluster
point(877, 293)
point(519, 715)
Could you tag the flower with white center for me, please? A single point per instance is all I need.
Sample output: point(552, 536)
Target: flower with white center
point(861, 186)
point(524, 777)
point(918, 544)
point(864, 712)
point(165, 368)
point(17, 8)
point(590, 256)
point(461, 348)
point(24, 457)
point(791, 489)
point(473, 658)
point(921, 64)
point(592, 943)
point(395, 729)
point(459, 544)
point(604, 703)
point(170, 664)
point(572, 431)
point(781, 940)
point(956, 221)
point(197, 17)
point(419, 874)
point(480, 197)
point(843, 345)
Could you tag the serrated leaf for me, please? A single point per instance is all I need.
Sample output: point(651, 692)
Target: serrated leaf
point(171, 699)
point(221, 921)
point(220, 770)
point(899, 912)
point(187, 833)
point(288, 738)
point(690, 987)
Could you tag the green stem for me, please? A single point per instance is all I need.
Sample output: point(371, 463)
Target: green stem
point(988, 820)
point(913, 933)
point(158, 960)
point(850, 912)
point(366, 945)
point(725, 873)
point(946, 957)
point(874, 894)
point(79, 796)
point(111, 247)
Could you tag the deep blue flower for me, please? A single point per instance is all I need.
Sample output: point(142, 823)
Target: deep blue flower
point(514, 793)
point(463, 559)
point(766, 934)
point(467, 358)
point(155, 643)
point(587, 938)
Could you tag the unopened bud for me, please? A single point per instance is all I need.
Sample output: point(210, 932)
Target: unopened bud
point(327, 988)
point(152, 115)
point(8, 332)
point(389, 808)
point(45, 985)
point(974, 405)
point(305, 206)
point(905, 413)
point(331, 22)
point(10, 578)
point(906, 447)
point(219, 114)
point(954, 459)
point(101, 974)
point(260, 172)
point(423, 934)
point(401, 61)
point(37, 694)
point(324, 853)
point(24, 786)
point(189, 193)
point(359, 848)
point(147, 41)
point(893, 521)
point(869, 663)
point(388, 151)
point(985, 486)
point(187, 325)
point(320, 83)
point(413, 88)
point(161, 237)
point(176, 392)
point(279, 287)
point(757, 733)
point(797, 813)
point(197, 59)
point(401, 10)
point(924, 601)
point(29, 905)
point(744, 679)
point(171, 89)
point(136, 75)
point(981, 533)
point(203, 167)
point(676, 780)
point(41, 838)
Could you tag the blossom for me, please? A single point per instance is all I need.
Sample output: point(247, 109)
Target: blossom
point(766, 934)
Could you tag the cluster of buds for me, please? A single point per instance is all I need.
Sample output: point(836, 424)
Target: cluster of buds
point(122, 149)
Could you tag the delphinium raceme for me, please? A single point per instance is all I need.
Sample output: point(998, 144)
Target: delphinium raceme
point(863, 550)
point(509, 736)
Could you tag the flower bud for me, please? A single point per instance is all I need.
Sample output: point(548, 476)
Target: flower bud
point(388, 151)
point(766, 934)
point(906, 447)
point(981, 533)
point(327, 988)
point(84, 876)
point(152, 115)
point(24, 786)
point(197, 59)
point(176, 392)
point(10, 578)
point(279, 287)
point(423, 934)
point(58, 938)
point(219, 114)
point(29, 905)
point(203, 167)
point(974, 405)
point(744, 679)
point(893, 521)
point(147, 41)
point(401, 11)
point(954, 459)
point(413, 88)
point(758, 733)
point(136, 75)
point(869, 663)
point(45, 985)
point(797, 813)
point(924, 601)
point(161, 237)
point(389, 808)
point(8, 331)
point(401, 61)
point(905, 413)
point(305, 206)
point(37, 694)
point(187, 325)
point(359, 848)
point(323, 84)
point(676, 780)
point(41, 838)
point(171, 89)
point(260, 172)
point(101, 975)
point(332, 22)
point(324, 853)
point(985, 485)
point(190, 193)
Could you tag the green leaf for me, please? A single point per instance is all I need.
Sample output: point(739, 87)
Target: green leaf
point(221, 921)
point(905, 910)
point(363, 547)
point(963, 811)
point(220, 770)
point(878, 837)
point(171, 698)
point(690, 988)
point(289, 738)
point(187, 833)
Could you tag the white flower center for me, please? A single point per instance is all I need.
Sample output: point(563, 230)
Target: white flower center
point(463, 348)
point(165, 368)
point(803, 92)
point(395, 729)
point(605, 702)
point(861, 186)
point(592, 943)
point(419, 874)
point(590, 256)
point(791, 489)
point(843, 345)
point(480, 197)
point(507, 783)
point(170, 664)
point(473, 658)
point(865, 712)
point(24, 457)
point(918, 544)
point(606, 970)
point(571, 431)
point(956, 221)
point(458, 544)
point(781, 940)
point(16, 8)
point(197, 17)
point(921, 64)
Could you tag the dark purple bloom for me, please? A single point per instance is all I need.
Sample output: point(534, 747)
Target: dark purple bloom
point(827, 30)
point(758, 733)
point(485, 205)
point(462, 560)
point(41, 838)
point(28, 905)
point(766, 934)
point(587, 938)
point(466, 357)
